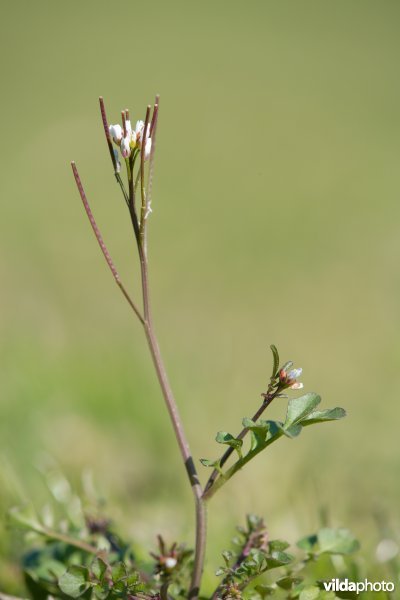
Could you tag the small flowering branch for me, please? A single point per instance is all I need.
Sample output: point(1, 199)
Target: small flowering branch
point(281, 379)
point(301, 412)
point(139, 143)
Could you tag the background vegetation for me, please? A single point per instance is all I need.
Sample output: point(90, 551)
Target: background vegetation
point(276, 220)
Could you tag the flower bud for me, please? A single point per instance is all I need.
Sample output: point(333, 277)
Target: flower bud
point(116, 133)
point(125, 146)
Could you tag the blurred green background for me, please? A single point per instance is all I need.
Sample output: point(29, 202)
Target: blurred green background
point(276, 220)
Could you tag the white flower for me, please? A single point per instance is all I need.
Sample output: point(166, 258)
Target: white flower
point(139, 132)
point(125, 146)
point(288, 379)
point(138, 135)
point(116, 133)
point(128, 139)
point(170, 562)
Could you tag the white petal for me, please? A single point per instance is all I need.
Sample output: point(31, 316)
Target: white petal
point(116, 132)
point(139, 127)
point(295, 373)
point(125, 147)
point(147, 149)
point(170, 562)
point(297, 386)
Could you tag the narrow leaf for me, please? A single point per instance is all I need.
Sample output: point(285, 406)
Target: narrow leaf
point(275, 356)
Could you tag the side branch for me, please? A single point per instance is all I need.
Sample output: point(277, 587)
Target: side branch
point(214, 475)
point(101, 243)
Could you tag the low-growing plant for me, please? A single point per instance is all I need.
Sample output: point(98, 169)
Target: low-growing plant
point(82, 556)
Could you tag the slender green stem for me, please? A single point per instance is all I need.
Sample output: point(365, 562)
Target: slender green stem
point(70, 541)
point(164, 591)
point(270, 395)
point(222, 479)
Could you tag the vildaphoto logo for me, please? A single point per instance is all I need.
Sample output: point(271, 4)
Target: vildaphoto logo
point(344, 585)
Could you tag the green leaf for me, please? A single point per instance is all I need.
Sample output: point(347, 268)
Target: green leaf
point(290, 432)
point(118, 572)
point(319, 416)
point(337, 541)
point(265, 590)
point(133, 579)
point(101, 590)
point(278, 559)
point(278, 545)
point(311, 592)
point(75, 582)
point(26, 517)
point(227, 438)
point(214, 464)
point(99, 567)
point(286, 583)
point(288, 365)
point(256, 557)
point(258, 429)
point(308, 543)
point(275, 355)
point(299, 408)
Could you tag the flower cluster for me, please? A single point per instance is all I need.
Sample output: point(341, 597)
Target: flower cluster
point(129, 139)
point(288, 379)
